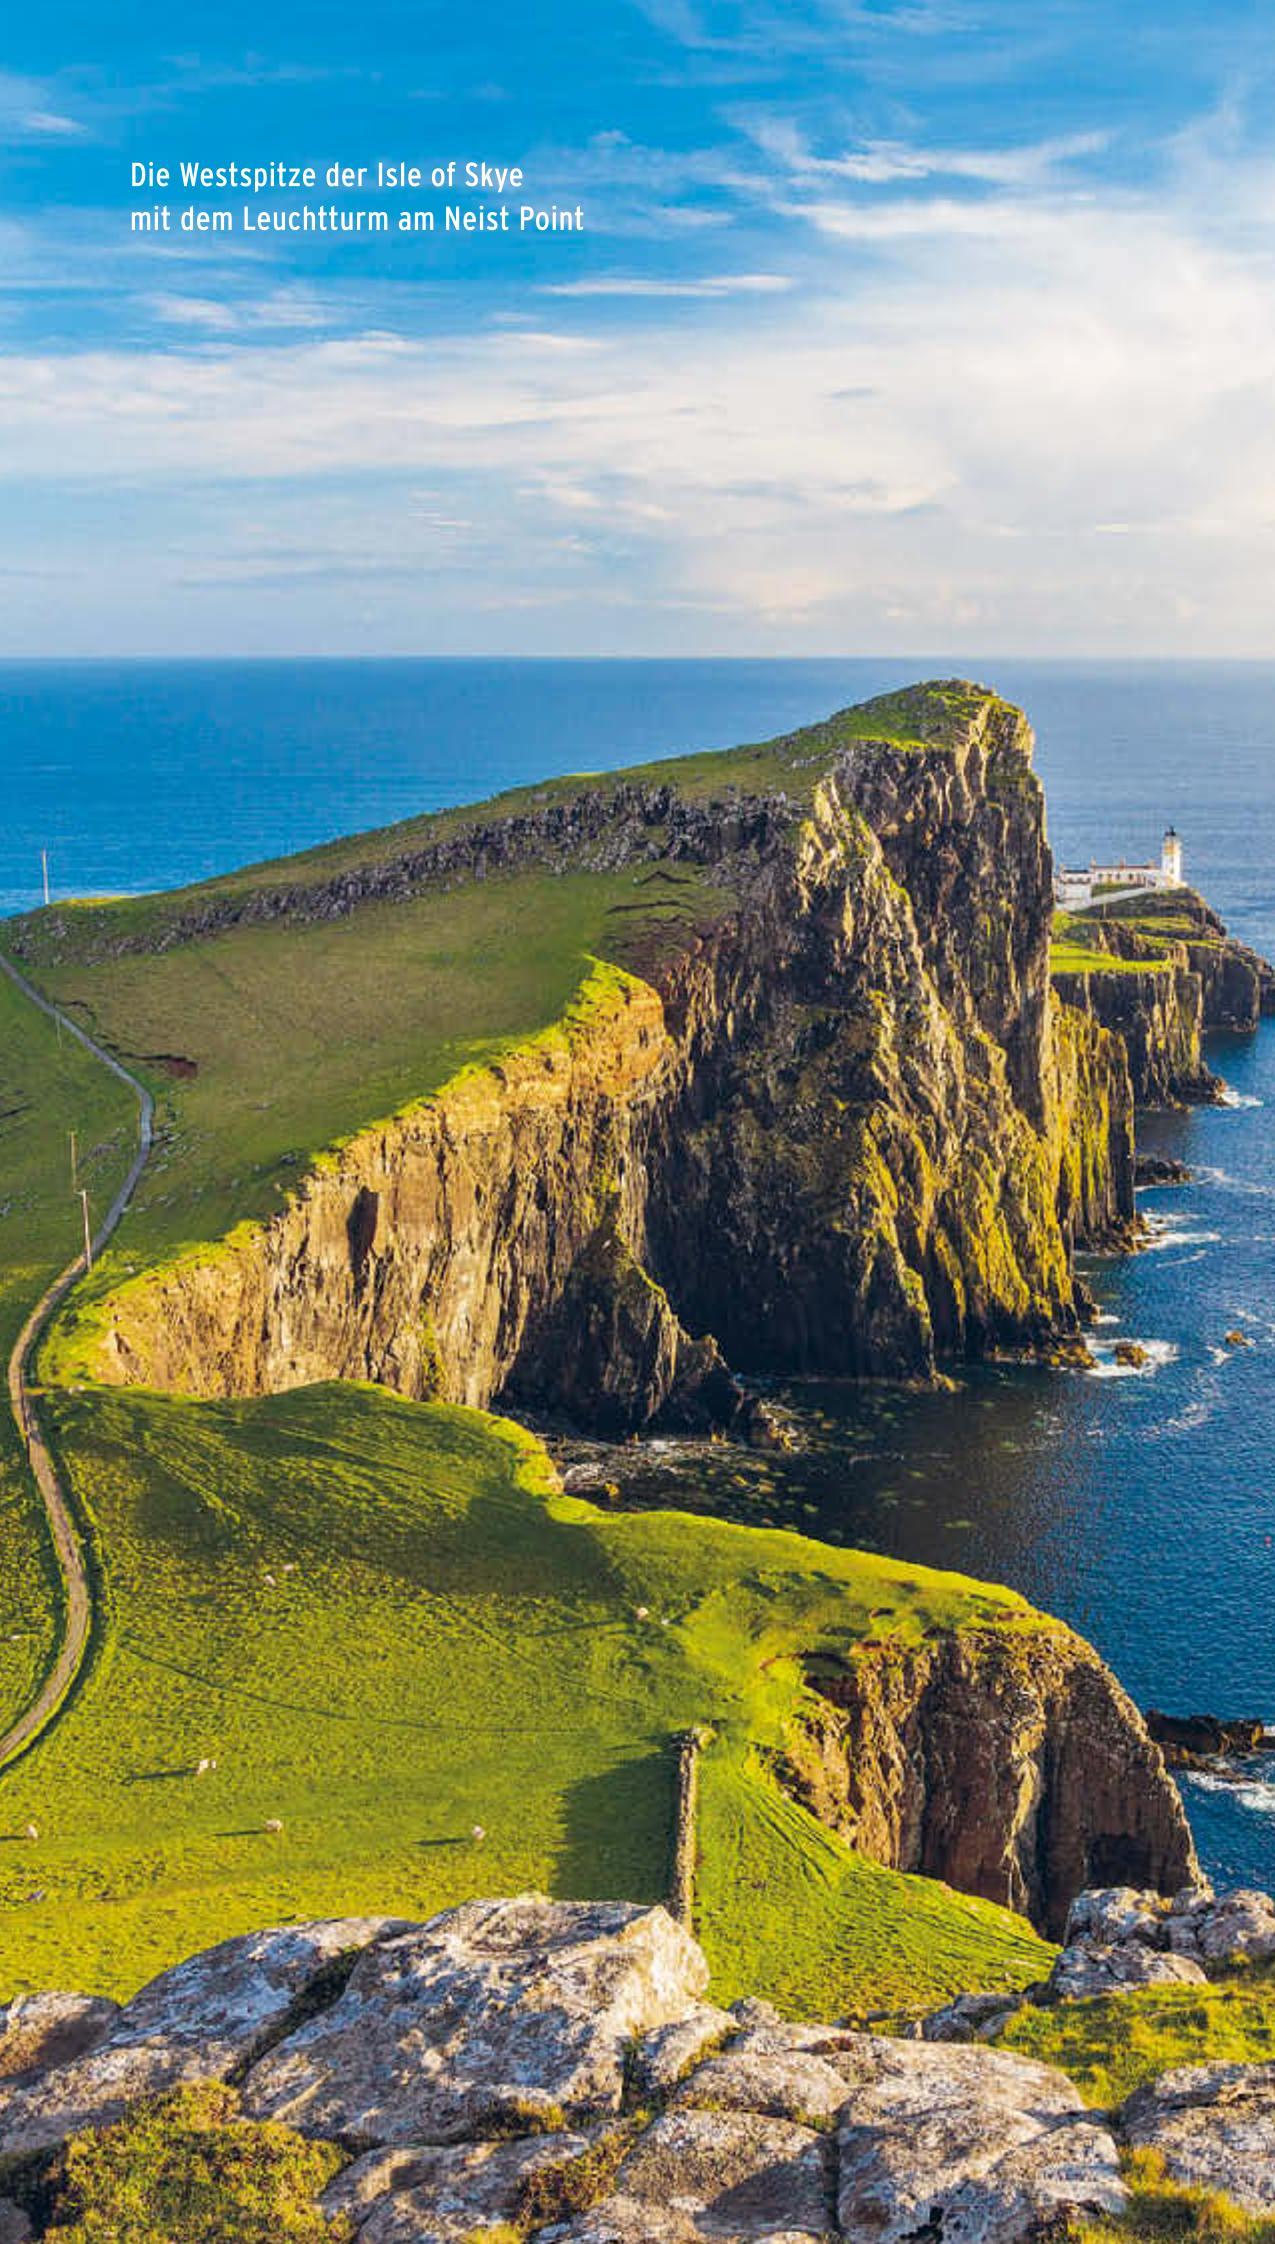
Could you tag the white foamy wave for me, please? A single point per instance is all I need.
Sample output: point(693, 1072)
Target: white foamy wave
point(1257, 1794)
point(1158, 1353)
point(1107, 1317)
point(1245, 1188)
point(1234, 1098)
point(1188, 1421)
point(1159, 1239)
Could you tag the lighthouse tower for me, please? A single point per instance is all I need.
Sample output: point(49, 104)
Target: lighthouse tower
point(1171, 858)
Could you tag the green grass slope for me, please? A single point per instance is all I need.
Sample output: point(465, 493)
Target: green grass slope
point(268, 1041)
point(387, 1628)
point(1112, 2044)
point(49, 1086)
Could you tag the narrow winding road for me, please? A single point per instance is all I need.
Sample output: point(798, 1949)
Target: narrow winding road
point(66, 1541)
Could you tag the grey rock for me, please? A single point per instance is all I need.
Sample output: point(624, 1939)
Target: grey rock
point(15, 2228)
point(196, 2022)
point(1214, 2128)
point(728, 2177)
point(497, 2015)
point(1081, 1972)
point(671, 2052)
point(37, 2031)
point(969, 2144)
point(1239, 1924)
point(754, 2075)
point(1107, 1916)
point(767, 2028)
point(427, 2195)
point(1190, 1899)
point(970, 2017)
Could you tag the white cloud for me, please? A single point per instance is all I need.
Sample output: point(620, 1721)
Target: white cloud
point(887, 163)
point(29, 111)
point(1047, 414)
point(711, 285)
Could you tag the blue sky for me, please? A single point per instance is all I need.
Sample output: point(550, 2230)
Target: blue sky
point(939, 326)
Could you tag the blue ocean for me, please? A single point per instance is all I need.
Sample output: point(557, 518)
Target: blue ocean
point(1140, 1506)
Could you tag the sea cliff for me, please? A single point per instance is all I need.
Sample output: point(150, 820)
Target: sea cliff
point(1161, 971)
point(835, 1121)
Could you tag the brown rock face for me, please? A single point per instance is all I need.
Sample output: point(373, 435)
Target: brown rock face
point(1014, 1767)
point(1196, 978)
point(848, 1129)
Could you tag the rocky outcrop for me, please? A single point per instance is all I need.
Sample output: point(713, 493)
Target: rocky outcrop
point(1188, 1739)
point(497, 2066)
point(1179, 975)
point(549, 2072)
point(1212, 2127)
point(202, 2021)
point(841, 1125)
point(1010, 1764)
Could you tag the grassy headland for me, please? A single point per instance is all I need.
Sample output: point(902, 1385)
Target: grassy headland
point(378, 1623)
point(386, 1628)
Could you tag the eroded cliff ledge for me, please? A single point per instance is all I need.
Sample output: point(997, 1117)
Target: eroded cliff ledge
point(830, 1119)
point(1013, 1766)
point(1160, 972)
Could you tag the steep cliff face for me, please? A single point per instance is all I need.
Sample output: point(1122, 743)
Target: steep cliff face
point(1159, 1017)
point(842, 1127)
point(1014, 1767)
point(1179, 975)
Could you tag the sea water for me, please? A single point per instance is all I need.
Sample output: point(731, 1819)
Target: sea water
point(1139, 1505)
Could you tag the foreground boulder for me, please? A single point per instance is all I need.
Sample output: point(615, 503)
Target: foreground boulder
point(960, 2142)
point(1214, 2128)
point(730, 2176)
point(37, 2031)
point(499, 2017)
point(197, 2022)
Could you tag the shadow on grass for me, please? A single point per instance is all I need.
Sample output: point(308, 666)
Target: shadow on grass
point(618, 1831)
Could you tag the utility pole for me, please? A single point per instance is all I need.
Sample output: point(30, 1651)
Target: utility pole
point(75, 1179)
point(88, 1235)
point(44, 860)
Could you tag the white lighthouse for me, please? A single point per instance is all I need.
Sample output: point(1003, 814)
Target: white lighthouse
point(1171, 858)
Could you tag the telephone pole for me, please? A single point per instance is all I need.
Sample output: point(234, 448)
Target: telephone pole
point(88, 1235)
point(44, 860)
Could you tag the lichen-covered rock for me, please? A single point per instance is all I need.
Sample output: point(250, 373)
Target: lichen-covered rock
point(1104, 1916)
point(1214, 2128)
point(754, 2075)
point(971, 2017)
point(970, 2145)
point(1013, 1766)
point(1084, 1971)
point(1238, 1926)
point(1121, 1937)
point(498, 2016)
point(721, 2177)
point(672, 2051)
point(429, 2195)
point(197, 2022)
point(37, 2031)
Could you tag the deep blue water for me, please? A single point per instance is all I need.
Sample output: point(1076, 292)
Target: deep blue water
point(1142, 1507)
